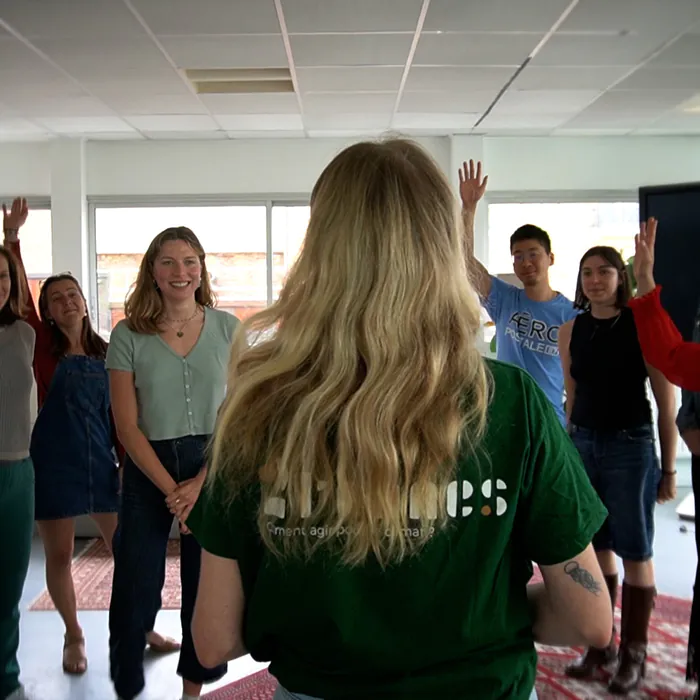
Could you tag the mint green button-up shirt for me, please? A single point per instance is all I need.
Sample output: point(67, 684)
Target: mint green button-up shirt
point(177, 396)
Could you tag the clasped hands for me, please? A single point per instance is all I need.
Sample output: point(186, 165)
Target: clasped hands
point(182, 498)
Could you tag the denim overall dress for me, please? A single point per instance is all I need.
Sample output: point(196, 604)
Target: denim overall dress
point(72, 446)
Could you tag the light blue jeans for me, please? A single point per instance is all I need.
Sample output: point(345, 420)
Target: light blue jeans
point(282, 694)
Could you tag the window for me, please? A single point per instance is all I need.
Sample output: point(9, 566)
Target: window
point(573, 227)
point(36, 249)
point(234, 239)
point(289, 225)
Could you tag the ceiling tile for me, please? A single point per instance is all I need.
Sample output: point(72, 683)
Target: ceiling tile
point(70, 107)
point(684, 52)
point(351, 49)
point(461, 49)
point(239, 51)
point(321, 16)
point(675, 121)
point(354, 103)
point(551, 102)
point(631, 109)
point(659, 18)
point(261, 103)
point(155, 104)
point(494, 15)
point(114, 136)
point(569, 78)
point(18, 127)
point(260, 122)
point(434, 122)
point(85, 125)
point(668, 77)
point(568, 50)
point(447, 101)
point(341, 122)
point(523, 121)
point(266, 134)
point(185, 135)
point(93, 59)
point(352, 79)
point(185, 17)
point(173, 122)
point(642, 101)
point(452, 78)
point(70, 19)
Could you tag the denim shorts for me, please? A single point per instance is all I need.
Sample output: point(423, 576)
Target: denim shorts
point(624, 470)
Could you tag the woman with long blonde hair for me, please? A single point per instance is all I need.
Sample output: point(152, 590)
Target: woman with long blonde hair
point(167, 364)
point(377, 491)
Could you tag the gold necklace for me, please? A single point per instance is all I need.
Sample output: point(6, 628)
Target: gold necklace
point(180, 331)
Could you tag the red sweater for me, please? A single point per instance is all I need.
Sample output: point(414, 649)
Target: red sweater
point(662, 344)
point(45, 360)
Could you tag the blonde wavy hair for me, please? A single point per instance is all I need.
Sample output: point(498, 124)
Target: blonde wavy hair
point(367, 384)
point(144, 304)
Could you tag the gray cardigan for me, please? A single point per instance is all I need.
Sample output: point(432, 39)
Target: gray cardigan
point(16, 384)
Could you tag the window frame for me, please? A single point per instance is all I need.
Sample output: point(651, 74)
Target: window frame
point(154, 201)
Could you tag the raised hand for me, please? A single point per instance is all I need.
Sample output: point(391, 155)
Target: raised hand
point(644, 243)
point(14, 218)
point(471, 184)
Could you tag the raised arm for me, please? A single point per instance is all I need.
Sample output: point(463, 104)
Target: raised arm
point(12, 221)
point(471, 189)
point(662, 344)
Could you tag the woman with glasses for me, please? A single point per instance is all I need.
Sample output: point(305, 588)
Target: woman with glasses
point(74, 447)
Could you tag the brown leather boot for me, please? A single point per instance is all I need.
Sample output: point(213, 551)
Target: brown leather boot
point(637, 605)
point(594, 659)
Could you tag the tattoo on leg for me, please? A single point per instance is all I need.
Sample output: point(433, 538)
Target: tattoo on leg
point(583, 577)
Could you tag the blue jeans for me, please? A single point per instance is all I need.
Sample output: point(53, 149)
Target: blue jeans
point(140, 546)
point(283, 694)
point(624, 471)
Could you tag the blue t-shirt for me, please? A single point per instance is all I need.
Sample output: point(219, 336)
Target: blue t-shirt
point(526, 335)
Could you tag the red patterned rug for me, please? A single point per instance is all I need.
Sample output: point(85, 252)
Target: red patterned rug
point(92, 574)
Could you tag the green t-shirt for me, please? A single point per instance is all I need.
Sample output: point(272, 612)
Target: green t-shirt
point(451, 622)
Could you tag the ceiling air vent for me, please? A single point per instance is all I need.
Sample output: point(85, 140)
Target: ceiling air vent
point(233, 81)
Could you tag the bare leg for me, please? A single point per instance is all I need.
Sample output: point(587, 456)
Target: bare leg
point(640, 573)
point(608, 563)
point(107, 523)
point(190, 688)
point(58, 538)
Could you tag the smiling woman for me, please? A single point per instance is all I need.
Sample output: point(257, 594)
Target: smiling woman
point(167, 363)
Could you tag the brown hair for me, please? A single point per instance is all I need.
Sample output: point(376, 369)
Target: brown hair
point(144, 304)
point(613, 257)
point(93, 344)
point(14, 309)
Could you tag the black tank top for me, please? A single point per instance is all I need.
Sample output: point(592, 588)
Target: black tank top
point(608, 367)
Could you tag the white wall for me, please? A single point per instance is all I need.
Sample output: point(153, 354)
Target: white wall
point(25, 168)
point(260, 166)
point(290, 166)
point(586, 163)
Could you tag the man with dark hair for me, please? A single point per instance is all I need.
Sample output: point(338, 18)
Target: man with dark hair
point(527, 320)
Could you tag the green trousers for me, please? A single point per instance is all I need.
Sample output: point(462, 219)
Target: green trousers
point(16, 526)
